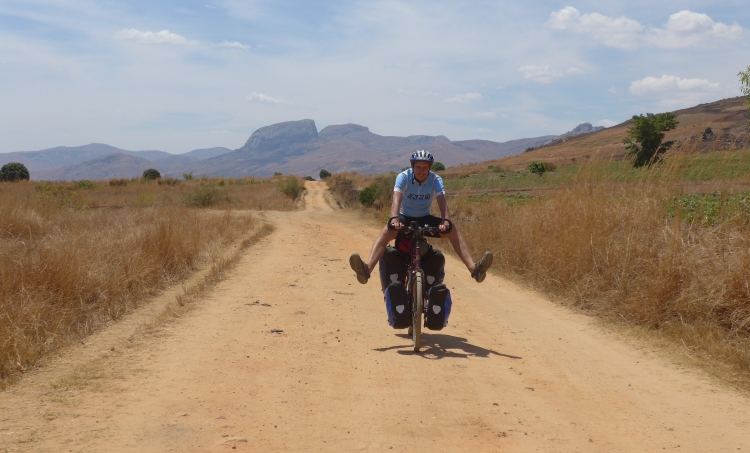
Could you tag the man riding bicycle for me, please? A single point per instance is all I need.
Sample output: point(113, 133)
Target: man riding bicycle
point(413, 193)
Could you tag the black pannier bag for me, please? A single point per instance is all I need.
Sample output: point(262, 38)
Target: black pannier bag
point(438, 307)
point(397, 305)
point(433, 264)
point(392, 267)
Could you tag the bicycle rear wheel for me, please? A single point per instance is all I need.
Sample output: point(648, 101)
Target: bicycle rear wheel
point(418, 307)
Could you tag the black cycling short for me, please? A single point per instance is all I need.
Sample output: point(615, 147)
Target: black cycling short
point(429, 220)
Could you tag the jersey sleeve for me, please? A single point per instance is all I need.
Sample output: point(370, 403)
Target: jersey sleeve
point(401, 183)
point(438, 186)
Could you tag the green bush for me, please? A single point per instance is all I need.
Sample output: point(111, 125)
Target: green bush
point(290, 186)
point(324, 174)
point(309, 178)
point(14, 171)
point(379, 193)
point(85, 184)
point(151, 173)
point(537, 168)
point(367, 196)
point(645, 141)
point(438, 166)
point(205, 196)
point(187, 176)
point(277, 173)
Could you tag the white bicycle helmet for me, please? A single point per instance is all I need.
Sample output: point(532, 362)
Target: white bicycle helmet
point(421, 155)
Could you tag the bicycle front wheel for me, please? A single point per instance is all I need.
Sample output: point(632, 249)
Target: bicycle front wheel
point(418, 307)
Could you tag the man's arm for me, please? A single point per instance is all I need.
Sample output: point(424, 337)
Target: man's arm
point(444, 213)
point(395, 208)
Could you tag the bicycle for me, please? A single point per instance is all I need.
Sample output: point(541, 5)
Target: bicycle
point(415, 277)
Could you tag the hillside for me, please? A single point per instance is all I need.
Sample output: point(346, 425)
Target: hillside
point(118, 165)
point(727, 118)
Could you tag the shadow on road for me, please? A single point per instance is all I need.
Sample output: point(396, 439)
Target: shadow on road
point(439, 346)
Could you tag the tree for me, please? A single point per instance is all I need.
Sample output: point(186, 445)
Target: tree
point(14, 171)
point(646, 135)
point(151, 173)
point(324, 174)
point(537, 167)
point(438, 166)
point(745, 88)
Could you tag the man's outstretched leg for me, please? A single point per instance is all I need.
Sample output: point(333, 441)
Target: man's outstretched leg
point(363, 269)
point(479, 269)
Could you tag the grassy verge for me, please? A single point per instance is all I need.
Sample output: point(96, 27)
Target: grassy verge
point(72, 258)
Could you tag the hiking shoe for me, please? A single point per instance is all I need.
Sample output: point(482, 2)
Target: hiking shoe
point(481, 266)
point(360, 268)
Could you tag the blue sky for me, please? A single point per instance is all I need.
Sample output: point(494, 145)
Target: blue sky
point(181, 75)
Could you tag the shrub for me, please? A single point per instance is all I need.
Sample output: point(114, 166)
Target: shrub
point(290, 186)
point(85, 184)
point(14, 171)
point(205, 196)
point(277, 173)
point(379, 193)
point(537, 168)
point(151, 173)
point(438, 166)
point(324, 174)
point(367, 196)
point(187, 176)
point(61, 195)
point(309, 178)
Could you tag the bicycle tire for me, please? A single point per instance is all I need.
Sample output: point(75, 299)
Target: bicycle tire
point(418, 305)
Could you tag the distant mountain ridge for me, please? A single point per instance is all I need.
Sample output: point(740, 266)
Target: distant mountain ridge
point(291, 147)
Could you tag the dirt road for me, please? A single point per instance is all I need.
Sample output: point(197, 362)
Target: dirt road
point(290, 353)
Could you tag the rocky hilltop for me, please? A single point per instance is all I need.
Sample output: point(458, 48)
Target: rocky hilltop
point(291, 147)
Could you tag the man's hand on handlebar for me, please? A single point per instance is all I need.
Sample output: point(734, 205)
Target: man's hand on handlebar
point(446, 226)
point(394, 224)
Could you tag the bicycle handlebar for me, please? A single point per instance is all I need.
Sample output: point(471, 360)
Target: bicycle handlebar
point(414, 228)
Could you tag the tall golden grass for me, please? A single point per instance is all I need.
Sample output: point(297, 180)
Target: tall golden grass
point(73, 256)
point(642, 253)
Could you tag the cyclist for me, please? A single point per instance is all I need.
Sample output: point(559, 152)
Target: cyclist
point(413, 193)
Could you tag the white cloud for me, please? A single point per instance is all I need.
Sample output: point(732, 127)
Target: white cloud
point(683, 29)
point(675, 91)
point(234, 45)
point(464, 98)
point(605, 123)
point(612, 90)
point(485, 115)
point(545, 73)
point(686, 28)
point(613, 32)
point(265, 99)
point(162, 37)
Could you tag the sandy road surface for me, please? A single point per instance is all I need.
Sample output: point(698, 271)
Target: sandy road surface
point(512, 372)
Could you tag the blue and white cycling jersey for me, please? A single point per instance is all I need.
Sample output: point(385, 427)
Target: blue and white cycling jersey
point(417, 197)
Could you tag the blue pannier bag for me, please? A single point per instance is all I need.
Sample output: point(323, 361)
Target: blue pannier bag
point(438, 307)
point(397, 305)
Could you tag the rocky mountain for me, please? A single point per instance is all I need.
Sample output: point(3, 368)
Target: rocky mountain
point(292, 147)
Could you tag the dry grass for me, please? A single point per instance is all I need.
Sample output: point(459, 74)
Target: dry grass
point(73, 258)
point(639, 253)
